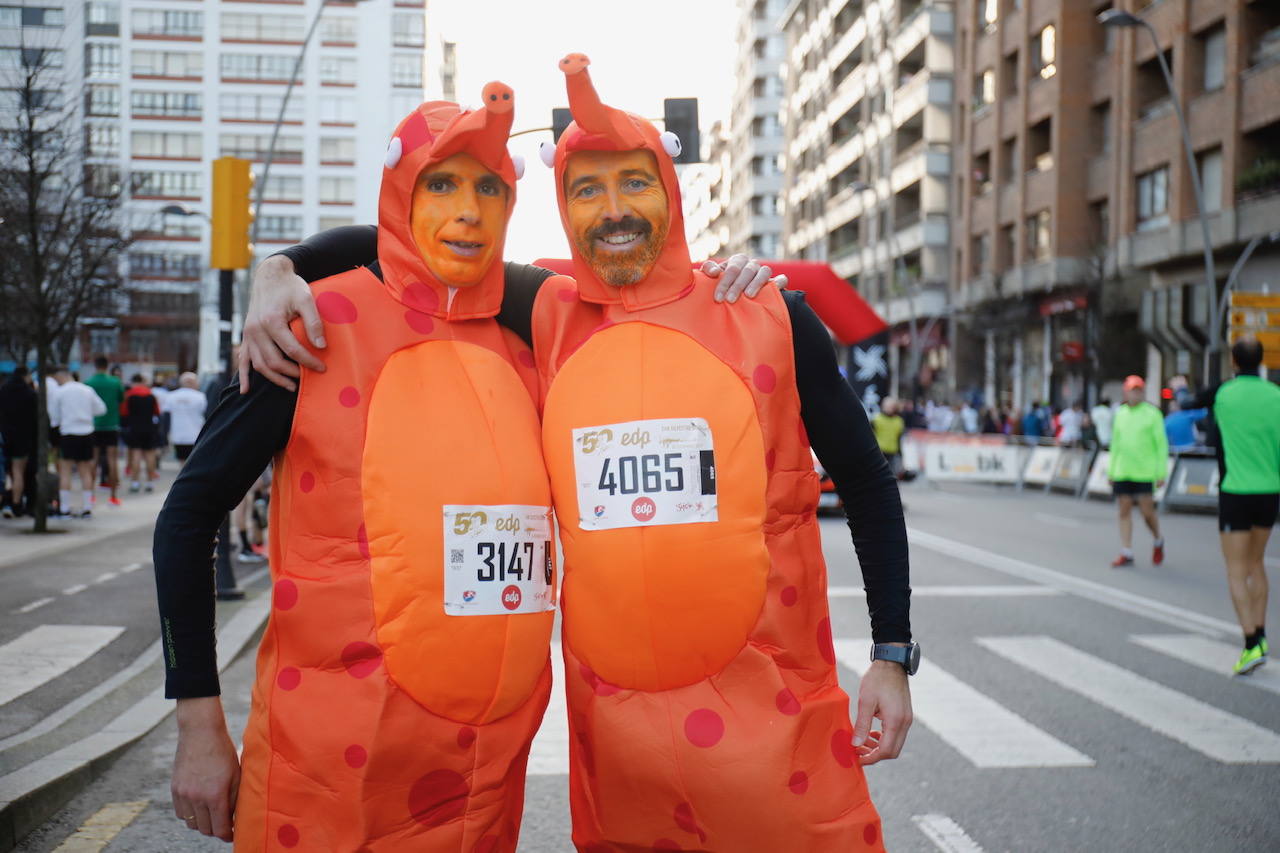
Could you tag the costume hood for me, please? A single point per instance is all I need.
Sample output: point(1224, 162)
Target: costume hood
point(598, 127)
point(435, 131)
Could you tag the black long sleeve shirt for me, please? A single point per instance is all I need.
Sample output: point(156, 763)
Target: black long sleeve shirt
point(244, 432)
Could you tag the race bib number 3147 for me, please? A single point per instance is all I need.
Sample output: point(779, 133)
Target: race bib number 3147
point(498, 560)
point(645, 473)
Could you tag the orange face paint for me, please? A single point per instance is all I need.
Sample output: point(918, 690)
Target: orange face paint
point(618, 212)
point(458, 219)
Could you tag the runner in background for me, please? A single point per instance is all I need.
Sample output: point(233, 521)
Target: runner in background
point(74, 409)
point(888, 426)
point(160, 390)
point(18, 406)
point(1139, 463)
point(185, 408)
point(1246, 432)
point(140, 412)
point(106, 429)
point(1103, 416)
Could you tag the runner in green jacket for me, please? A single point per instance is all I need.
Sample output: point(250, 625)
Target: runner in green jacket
point(1139, 463)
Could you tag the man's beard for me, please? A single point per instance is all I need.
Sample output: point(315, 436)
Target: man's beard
point(621, 269)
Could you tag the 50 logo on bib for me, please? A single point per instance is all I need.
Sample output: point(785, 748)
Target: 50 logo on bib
point(498, 560)
point(645, 473)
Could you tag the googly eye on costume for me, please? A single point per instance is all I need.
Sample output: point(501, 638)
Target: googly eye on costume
point(517, 161)
point(547, 151)
point(394, 152)
point(671, 143)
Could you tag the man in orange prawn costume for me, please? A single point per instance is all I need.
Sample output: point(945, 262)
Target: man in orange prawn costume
point(404, 669)
point(704, 710)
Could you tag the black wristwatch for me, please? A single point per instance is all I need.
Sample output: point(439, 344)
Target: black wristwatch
point(908, 655)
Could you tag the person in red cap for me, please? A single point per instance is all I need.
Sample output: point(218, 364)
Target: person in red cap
point(1138, 465)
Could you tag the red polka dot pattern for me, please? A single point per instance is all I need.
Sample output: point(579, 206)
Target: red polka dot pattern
point(361, 659)
point(704, 728)
point(349, 397)
point(466, 737)
point(438, 797)
point(288, 835)
point(285, 595)
point(787, 702)
point(790, 595)
point(421, 323)
point(870, 834)
point(289, 678)
point(419, 297)
point(765, 378)
point(566, 295)
point(356, 756)
point(826, 647)
point(307, 481)
point(799, 782)
point(842, 748)
point(685, 820)
point(336, 308)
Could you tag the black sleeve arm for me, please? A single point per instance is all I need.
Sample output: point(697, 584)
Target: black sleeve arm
point(334, 251)
point(520, 289)
point(845, 445)
point(236, 444)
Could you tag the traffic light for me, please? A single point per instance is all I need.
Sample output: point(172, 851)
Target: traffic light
point(560, 119)
point(232, 214)
point(680, 115)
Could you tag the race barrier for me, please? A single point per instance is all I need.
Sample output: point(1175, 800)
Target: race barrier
point(1194, 482)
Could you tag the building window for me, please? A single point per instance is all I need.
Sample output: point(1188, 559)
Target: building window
point(984, 89)
point(166, 24)
point(103, 101)
point(246, 26)
point(164, 63)
point(253, 147)
point(253, 66)
point(287, 188)
point(988, 14)
point(102, 18)
point(1037, 237)
point(30, 57)
point(250, 107)
point(408, 29)
point(1007, 248)
point(981, 254)
point(1044, 53)
point(280, 228)
point(1210, 163)
point(1153, 198)
point(166, 184)
point(340, 71)
point(165, 104)
point(406, 70)
point(162, 145)
point(173, 265)
point(103, 140)
point(102, 60)
point(1010, 162)
point(337, 149)
point(1213, 44)
point(336, 110)
point(30, 16)
point(1100, 125)
point(338, 31)
point(1100, 222)
point(334, 190)
point(324, 223)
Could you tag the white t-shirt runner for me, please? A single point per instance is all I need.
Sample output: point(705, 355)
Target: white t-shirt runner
point(645, 473)
point(498, 560)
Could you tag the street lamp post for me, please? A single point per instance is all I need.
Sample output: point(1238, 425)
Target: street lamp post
point(1118, 18)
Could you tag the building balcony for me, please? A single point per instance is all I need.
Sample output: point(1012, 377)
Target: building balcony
point(1260, 94)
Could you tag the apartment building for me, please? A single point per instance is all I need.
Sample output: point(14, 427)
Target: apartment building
point(707, 193)
point(170, 85)
point(867, 163)
point(1078, 247)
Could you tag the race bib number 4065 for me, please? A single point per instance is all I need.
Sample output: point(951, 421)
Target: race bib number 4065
point(645, 473)
point(498, 560)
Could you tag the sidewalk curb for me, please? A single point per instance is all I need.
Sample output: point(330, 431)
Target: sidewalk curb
point(31, 794)
point(62, 542)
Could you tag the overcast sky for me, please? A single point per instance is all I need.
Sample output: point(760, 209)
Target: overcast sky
point(641, 52)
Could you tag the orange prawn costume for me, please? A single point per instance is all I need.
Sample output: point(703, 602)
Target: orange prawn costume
point(704, 709)
point(405, 667)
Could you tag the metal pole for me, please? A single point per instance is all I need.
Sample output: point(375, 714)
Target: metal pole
point(1212, 365)
point(226, 299)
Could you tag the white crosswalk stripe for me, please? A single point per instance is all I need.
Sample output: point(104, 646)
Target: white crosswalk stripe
point(1211, 655)
point(1198, 725)
point(956, 591)
point(46, 652)
point(549, 755)
point(979, 728)
point(945, 833)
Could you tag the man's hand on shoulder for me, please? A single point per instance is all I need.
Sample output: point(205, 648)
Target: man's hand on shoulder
point(741, 276)
point(269, 345)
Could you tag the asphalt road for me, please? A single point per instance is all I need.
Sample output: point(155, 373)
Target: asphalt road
point(1062, 705)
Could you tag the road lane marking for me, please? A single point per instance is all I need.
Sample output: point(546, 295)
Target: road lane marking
point(35, 605)
point(106, 576)
point(1059, 520)
point(1208, 654)
point(132, 567)
point(1141, 605)
point(957, 591)
point(945, 833)
point(979, 728)
point(1204, 728)
point(46, 652)
point(102, 827)
point(74, 588)
point(549, 755)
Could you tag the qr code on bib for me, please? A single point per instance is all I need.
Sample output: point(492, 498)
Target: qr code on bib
point(456, 555)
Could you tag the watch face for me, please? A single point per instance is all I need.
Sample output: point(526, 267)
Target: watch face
point(913, 662)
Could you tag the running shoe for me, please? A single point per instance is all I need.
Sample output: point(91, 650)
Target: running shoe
point(1121, 561)
point(1263, 645)
point(1157, 554)
point(87, 513)
point(115, 501)
point(135, 487)
point(149, 488)
point(1250, 659)
point(6, 511)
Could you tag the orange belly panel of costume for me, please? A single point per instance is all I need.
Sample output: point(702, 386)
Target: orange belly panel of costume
point(380, 722)
point(704, 708)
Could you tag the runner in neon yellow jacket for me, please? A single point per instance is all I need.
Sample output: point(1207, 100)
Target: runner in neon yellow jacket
point(1138, 464)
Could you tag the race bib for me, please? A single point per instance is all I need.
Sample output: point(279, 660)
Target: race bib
point(645, 473)
point(498, 560)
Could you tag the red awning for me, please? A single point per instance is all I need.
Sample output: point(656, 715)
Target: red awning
point(832, 298)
